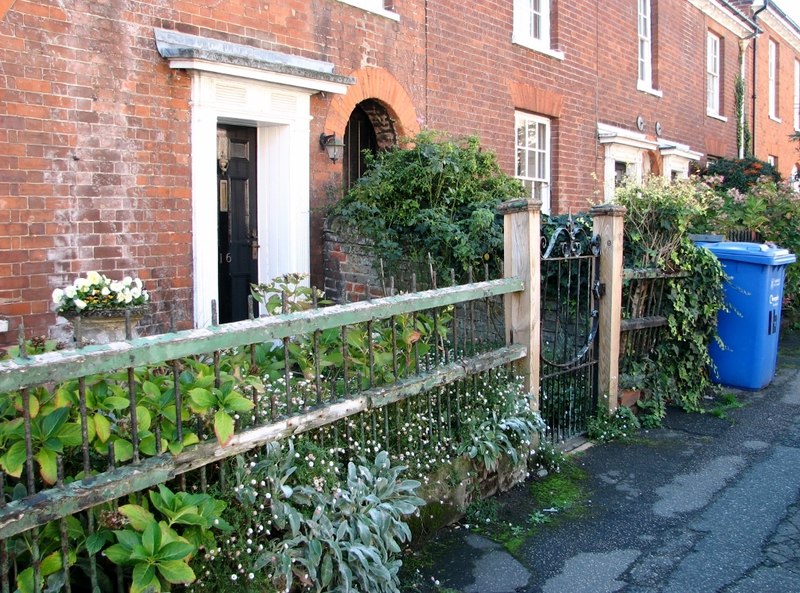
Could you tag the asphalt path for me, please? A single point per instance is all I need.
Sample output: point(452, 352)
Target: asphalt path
point(704, 504)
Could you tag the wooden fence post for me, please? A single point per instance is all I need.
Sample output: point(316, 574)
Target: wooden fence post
point(522, 244)
point(608, 225)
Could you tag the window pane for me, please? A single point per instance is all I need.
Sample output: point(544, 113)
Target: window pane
point(532, 152)
point(530, 140)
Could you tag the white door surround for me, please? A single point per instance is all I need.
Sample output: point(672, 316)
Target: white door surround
point(246, 86)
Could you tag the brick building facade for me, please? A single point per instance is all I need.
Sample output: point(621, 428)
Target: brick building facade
point(775, 81)
point(181, 142)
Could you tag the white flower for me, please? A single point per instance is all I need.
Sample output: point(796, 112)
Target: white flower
point(58, 294)
point(94, 278)
point(105, 291)
point(79, 304)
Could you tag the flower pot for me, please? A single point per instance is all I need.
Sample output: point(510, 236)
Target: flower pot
point(629, 397)
point(105, 325)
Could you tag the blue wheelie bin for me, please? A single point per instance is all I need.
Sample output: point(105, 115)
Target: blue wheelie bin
point(750, 329)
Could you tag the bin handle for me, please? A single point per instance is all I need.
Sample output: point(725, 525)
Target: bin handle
point(772, 323)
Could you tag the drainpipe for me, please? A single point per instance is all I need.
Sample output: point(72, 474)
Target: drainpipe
point(755, 70)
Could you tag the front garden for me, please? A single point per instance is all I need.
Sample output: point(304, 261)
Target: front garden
point(303, 460)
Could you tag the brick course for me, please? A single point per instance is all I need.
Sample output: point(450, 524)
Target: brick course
point(95, 170)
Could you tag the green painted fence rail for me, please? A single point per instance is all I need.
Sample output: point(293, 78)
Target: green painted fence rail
point(64, 365)
point(57, 502)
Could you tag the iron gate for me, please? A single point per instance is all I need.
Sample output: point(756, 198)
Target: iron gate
point(569, 317)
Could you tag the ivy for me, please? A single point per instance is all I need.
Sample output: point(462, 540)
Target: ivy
point(658, 218)
point(682, 357)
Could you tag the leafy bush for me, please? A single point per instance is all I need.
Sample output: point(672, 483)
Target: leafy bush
point(442, 189)
point(156, 551)
point(741, 174)
point(346, 538)
point(620, 425)
point(767, 208)
point(659, 215)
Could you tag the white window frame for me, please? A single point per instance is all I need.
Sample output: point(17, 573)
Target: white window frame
point(645, 42)
point(713, 74)
point(538, 181)
point(772, 74)
point(532, 20)
point(373, 6)
point(797, 95)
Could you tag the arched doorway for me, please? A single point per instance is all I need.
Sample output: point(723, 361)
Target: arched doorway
point(369, 128)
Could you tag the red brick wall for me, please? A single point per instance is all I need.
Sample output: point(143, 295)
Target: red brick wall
point(95, 160)
point(771, 136)
point(473, 72)
point(94, 126)
point(679, 72)
point(95, 167)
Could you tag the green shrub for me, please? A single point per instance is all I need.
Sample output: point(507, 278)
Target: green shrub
point(659, 214)
point(659, 217)
point(769, 209)
point(442, 189)
point(619, 426)
point(741, 174)
point(293, 536)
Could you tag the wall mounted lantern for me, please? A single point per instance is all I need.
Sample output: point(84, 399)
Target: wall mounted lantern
point(332, 145)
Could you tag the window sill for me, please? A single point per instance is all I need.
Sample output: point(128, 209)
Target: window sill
point(716, 116)
point(777, 120)
point(646, 88)
point(534, 45)
point(368, 6)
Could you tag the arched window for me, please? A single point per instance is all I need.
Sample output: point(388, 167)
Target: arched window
point(371, 128)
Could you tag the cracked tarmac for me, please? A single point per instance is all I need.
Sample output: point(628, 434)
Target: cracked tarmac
point(703, 505)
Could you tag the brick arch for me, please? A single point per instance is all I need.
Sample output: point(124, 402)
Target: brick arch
point(376, 84)
point(5, 6)
point(536, 100)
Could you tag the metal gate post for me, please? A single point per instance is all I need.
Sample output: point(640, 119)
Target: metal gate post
point(608, 225)
point(522, 244)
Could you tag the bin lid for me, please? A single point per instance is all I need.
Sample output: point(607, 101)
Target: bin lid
point(757, 253)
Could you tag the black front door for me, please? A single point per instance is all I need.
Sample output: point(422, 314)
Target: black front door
point(238, 219)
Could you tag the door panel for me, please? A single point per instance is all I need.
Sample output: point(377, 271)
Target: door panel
point(238, 220)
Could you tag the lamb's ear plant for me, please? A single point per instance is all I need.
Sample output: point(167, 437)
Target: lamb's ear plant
point(315, 536)
point(350, 540)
